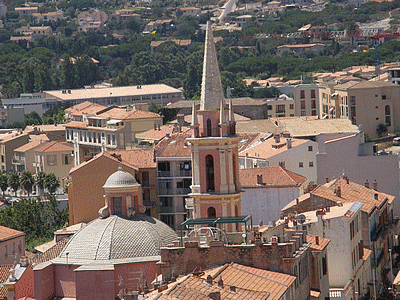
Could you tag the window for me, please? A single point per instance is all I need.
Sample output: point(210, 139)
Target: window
point(302, 94)
point(269, 107)
point(303, 104)
point(66, 159)
point(377, 119)
point(313, 104)
point(313, 112)
point(300, 165)
point(387, 110)
point(209, 130)
point(117, 205)
point(383, 97)
point(291, 106)
point(324, 266)
point(282, 164)
point(311, 164)
point(280, 108)
point(210, 173)
point(312, 93)
point(6, 251)
point(310, 148)
point(303, 113)
point(211, 213)
point(51, 160)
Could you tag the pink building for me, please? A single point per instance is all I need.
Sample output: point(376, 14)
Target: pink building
point(115, 252)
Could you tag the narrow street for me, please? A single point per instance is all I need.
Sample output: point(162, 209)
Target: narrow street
point(227, 8)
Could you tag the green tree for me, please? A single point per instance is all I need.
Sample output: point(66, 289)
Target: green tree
point(14, 182)
point(51, 183)
point(32, 118)
point(381, 129)
point(68, 73)
point(3, 182)
point(192, 81)
point(27, 181)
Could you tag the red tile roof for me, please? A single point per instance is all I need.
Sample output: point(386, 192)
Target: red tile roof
point(29, 146)
point(174, 146)
point(158, 134)
point(4, 273)
point(55, 147)
point(50, 254)
point(271, 177)
point(250, 283)
point(124, 114)
point(85, 108)
point(8, 233)
point(321, 245)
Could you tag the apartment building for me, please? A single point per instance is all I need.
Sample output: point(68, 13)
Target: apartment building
point(351, 274)
point(295, 155)
point(280, 107)
point(10, 115)
point(54, 157)
point(8, 143)
point(377, 227)
point(35, 31)
point(48, 17)
point(306, 100)
point(110, 129)
point(24, 157)
point(370, 103)
point(123, 15)
point(31, 102)
point(174, 178)
point(26, 11)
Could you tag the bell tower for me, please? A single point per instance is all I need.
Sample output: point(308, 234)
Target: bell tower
point(215, 180)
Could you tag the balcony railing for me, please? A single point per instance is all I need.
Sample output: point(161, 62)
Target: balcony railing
point(185, 173)
point(149, 203)
point(183, 191)
point(376, 233)
point(164, 173)
point(166, 209)
point(164, 191)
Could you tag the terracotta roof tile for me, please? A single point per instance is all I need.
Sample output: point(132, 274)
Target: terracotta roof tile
point(123, 114)
point(271, 177)
point(4, 273)
point(158, 134)
point(29, 146)
point(85, 108)
point(39, 137)
point(55, 147)
point(250, 283)
point(322, 242)
point(174, 146)
point(50, 254)
point(8, 233)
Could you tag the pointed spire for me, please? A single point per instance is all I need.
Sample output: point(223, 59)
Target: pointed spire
point(231, 114)
point(194, 115)
point(222, 113)
point(211, 87)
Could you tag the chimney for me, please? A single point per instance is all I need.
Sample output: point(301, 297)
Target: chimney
point(297, 200)
point(366, 184)
point(375, 185)
point(317, 240)
point(277, 138)
point(209, 279)
point(327, 180)
point(155, 127)
point(376, 196)
point(288, 144)
point(338, 191)
point(232, 289)
point(220, 282)
point(215, 295)
point(339, 203)
point(260, 180)
point(328, 209)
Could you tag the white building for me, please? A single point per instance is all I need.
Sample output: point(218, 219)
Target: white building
point(268, 190)
point(296, 155)
point(31, 102)
point(349, 262)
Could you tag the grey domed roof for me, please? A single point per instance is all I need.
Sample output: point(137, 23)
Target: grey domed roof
point(119, 238)
point(120, 179)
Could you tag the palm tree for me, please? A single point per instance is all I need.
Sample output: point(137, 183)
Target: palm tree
point(51, 183)
point(13, 182)
point(27, 181)
point(40, 181)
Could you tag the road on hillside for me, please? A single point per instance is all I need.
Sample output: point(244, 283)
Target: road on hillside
point(227, 8)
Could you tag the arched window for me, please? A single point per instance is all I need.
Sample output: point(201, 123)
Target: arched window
point(387, 110)
point(210, 174)
point(209, 130)
point(211, 213)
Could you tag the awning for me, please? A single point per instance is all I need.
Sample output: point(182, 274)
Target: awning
point(113, 122)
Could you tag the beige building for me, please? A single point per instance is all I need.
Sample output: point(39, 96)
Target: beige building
point(8, 143)
point(35, 31)
point(306, 99)
point(110, 129)
point(85, 191)
point(12, 245)
point(24, 157)
point(54, 157)
point(370, 103)
point(160, 94)
point(26, 11)
point(48, 17)
point(282, 106)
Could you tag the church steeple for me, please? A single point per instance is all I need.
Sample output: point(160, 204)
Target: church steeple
point(211, 87)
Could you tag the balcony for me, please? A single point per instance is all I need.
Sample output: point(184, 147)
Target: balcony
point(149, 203)
point(166, 209)
point(183, 191)
point(165, 191)
point(20, 161)
point(185, 173)
point(164, 173)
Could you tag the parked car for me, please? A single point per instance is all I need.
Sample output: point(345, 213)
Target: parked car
point(396, 141)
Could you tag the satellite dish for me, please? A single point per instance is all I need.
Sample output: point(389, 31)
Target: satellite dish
point(301, 218)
